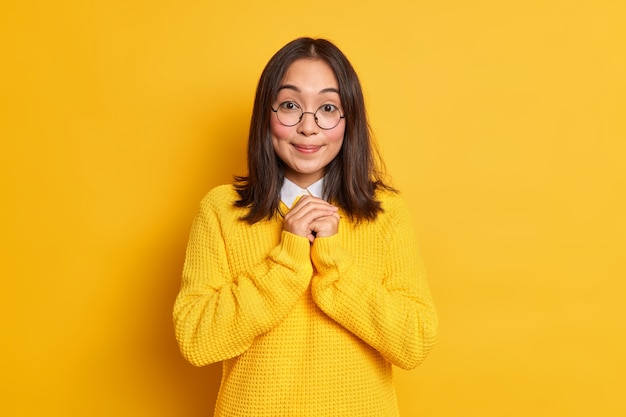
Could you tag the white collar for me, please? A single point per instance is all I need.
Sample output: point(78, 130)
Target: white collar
point(290, 191)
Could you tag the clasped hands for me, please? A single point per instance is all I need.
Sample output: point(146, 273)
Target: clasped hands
point(312, 217)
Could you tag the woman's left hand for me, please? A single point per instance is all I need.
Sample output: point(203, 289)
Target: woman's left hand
point(312, 217)
point(324, 226)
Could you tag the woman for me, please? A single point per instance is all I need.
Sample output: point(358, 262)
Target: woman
point(304, 277)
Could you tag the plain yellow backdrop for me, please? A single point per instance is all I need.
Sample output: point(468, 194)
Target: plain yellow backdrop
point(502, 123)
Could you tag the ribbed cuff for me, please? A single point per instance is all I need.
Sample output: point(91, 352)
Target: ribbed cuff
point(327, 253)
point(294, 251)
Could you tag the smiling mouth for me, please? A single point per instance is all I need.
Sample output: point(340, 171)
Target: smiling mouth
point(307, 148)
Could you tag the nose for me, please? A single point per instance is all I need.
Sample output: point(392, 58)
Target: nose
point(308, 125)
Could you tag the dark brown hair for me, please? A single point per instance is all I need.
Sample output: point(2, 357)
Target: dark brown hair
point(351, 179)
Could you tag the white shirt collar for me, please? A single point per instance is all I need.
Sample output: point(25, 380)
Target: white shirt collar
point(290, 191)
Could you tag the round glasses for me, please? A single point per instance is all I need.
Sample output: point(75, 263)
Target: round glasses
point(289, 113)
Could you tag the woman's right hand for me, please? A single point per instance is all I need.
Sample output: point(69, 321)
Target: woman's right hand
point(311, 216)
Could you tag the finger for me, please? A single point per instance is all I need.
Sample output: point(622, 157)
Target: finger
point(325, 226)
point(309, 199)
point(306, 217)
point(311, 209)
point(305, 211)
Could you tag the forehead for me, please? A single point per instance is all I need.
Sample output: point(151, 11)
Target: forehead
point(310, 75)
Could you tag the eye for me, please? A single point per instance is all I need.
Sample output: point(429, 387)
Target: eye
point(289, 106)
point(328, 108)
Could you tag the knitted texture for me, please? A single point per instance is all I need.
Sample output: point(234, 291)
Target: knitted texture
point(303, 329)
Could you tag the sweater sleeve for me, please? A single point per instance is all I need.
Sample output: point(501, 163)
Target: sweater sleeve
point(217, 315)
point(392, 311)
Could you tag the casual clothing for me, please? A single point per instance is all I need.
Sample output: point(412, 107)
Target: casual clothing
point(304, 329)
point(290, 192)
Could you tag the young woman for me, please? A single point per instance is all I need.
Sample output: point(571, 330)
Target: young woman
point(304, 276)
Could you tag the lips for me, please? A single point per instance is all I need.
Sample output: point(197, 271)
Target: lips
point(307, 148)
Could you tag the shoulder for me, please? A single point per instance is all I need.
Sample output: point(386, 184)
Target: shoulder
point(390, 200)
point(395, 209)
point(219, 199)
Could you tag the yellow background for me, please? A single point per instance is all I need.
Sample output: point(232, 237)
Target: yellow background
point(502, 123)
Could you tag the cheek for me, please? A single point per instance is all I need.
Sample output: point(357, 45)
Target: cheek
point(279, 131)
point(336, 135)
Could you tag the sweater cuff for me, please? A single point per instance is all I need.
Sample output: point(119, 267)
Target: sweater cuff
point(293, 252)
point(327, 253)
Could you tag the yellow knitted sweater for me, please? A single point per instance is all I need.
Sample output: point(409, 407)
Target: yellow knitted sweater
point(303, 329)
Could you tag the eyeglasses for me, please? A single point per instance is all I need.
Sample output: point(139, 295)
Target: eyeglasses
point(289, 113)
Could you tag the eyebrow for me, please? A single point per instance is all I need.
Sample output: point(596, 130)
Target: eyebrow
point(296, 89)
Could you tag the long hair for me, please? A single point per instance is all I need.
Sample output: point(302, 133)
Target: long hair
point(351, 179)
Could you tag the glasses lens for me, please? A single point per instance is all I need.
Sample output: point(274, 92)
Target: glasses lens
point(289, 113)
point(327, 116)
